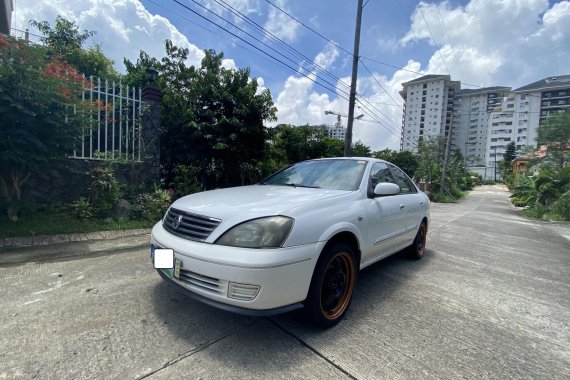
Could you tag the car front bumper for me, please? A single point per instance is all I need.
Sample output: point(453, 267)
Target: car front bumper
point(246, 281)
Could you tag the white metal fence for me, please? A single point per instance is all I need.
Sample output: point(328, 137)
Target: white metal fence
point(114, 130)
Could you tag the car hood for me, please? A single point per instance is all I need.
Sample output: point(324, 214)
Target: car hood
point(237, 204)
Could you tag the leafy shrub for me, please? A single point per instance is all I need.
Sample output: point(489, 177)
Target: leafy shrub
point(185, 181)
point(104, 189)
point(519, 202)
point(81, 209)
point(525, 191)
point(535, 211)
point(560, 210)
point(445, 198)
point(152, 206)
point(510, 180)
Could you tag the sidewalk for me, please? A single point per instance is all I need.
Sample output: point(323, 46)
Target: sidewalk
point(33, 248)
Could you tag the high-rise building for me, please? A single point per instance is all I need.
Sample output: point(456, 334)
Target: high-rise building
point(471, 111)
point(521, 113)
point(336, 131)
point(483, 121)
point(428, 105)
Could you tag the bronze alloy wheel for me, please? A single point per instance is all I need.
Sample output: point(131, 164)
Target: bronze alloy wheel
point(418, 248)
point(421, 239)
point(337, 285)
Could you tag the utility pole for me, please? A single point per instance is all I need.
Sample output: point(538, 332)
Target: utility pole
point(446, 157)
point(495, 167)
point(352, 96)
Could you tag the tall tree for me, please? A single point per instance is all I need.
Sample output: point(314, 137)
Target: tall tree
point(508, 158)
point(37, 126)
point(360, 150)
point(65, 40)
point(405, 160)
point(212, 117)
point(430, 159)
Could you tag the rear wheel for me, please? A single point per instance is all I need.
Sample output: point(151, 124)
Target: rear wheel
point(418, 247)
point(332, 285)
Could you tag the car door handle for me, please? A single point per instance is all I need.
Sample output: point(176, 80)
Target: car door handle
point(421, 203)
point(402, 207)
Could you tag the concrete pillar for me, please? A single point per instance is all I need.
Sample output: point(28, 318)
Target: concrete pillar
point(152, 99)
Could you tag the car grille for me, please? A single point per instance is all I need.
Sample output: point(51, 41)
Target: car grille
point(203, 282)
point(188, 225)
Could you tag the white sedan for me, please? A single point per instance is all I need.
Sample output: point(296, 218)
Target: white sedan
point(297, 239)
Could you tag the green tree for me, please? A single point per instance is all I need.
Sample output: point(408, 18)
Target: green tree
point(36, 96)
point(430, 159)
point(405, 160)
point(304, 142)
point(212, 117)
point(508, 158)
point(66, 40)
point(360, 150)
point(555, 134)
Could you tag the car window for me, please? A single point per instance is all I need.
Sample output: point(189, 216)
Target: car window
point(402, 180)
point(380, 173)
point(341, 174)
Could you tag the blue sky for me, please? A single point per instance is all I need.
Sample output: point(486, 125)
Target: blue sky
point(479, 42)
point(384, 22)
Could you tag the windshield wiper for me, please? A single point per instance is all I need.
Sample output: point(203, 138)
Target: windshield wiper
point(299, 185)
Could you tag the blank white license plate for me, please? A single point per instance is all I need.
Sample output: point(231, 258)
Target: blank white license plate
point(177, 265)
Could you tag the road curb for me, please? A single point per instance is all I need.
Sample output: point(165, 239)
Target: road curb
point(100, 243)
point(28, 241)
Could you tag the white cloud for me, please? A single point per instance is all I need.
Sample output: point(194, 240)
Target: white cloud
point(280, 24)
point(124, 27)
point(327, 57)
point(486, 42)
point(245, 7)
point(303, 102)
point(228, 63)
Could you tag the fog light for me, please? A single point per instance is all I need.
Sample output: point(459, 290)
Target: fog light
point(243, 292)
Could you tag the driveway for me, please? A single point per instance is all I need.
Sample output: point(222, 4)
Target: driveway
point(490, 300)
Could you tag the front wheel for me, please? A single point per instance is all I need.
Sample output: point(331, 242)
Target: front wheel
point(418, 247)
point(332, 286)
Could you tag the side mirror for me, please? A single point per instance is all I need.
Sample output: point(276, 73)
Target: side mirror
point(386, 188)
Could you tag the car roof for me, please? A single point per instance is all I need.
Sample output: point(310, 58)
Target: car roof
point(369, 159)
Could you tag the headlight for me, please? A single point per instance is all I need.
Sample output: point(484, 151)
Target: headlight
point(269, 232)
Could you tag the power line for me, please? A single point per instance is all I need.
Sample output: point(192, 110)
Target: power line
point(209, 30)
point(379, 84)
point(257, 48)
point(433, 38)
point(449, 41)
point(365, 107)
point(236, 12)
point(254, 38)
point(308, 27)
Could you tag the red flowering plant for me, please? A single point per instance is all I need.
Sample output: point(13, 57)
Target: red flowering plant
point(41, 112)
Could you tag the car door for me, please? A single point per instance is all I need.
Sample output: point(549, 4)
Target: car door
point(410, 201)
point(386, 219)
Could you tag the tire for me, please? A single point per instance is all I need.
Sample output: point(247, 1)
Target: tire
point(418, 248)
point(332, 286)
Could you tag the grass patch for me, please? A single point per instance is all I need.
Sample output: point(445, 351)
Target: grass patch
point(58, 222)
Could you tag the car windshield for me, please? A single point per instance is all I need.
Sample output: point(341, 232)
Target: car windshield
point(339, 174)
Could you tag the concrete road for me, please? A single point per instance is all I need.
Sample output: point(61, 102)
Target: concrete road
point(489, 300)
